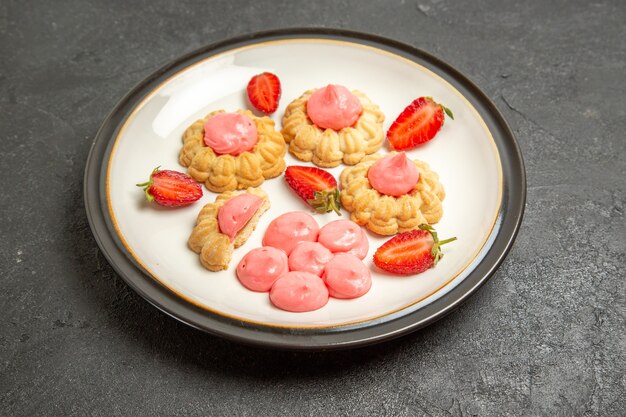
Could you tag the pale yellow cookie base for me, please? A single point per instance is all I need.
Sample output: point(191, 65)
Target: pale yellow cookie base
point(214, 247)
point(329, 148)
point(221, 173)
point(387, 215)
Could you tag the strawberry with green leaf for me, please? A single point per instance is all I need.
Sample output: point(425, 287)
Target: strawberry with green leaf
point(315, 186)
point(411, 252)
point(171, 188)
point(418, 123)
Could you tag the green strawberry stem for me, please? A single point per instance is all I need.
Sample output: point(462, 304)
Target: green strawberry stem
point(146, 185)
point(436, 250)
point(443, 242)
point(326, 201)
point(447, 111)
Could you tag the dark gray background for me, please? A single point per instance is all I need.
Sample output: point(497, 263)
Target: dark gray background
point(544, 337)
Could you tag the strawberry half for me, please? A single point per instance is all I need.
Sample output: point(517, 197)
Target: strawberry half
point(411, 252)
point(417, 124)
point(315, 186)
point(264, 92)
point(171, 188)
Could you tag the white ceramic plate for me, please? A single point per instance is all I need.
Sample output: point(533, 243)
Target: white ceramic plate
point(466, 153)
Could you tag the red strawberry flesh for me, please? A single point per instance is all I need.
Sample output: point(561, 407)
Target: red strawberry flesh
point(315, 186)
point(171, 188)
point(410, 252)
point(418, 123)
point(406, 253)
point(306, 180)
point(264, 92)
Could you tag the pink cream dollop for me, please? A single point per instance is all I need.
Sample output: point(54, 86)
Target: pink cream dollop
point(285, 231)
point(261, 267)
point(230, 133)
point(394, 175)
point(344, 236)
point(347, 277)
point(237, 212)
point(309, 257)
point(333, 107)
point(299, 291)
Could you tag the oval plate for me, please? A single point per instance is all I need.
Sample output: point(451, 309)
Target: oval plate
point(475, 155)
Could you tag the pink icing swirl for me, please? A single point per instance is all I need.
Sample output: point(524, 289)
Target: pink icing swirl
point(394, 175)
point(344, 236)
point(333, 107)
point(230, 133)
point(261, 267)
point(309, 257)
point(299, 291)
point(285, 231)
point(360, 249)
point(236, 212)
point(347, 277)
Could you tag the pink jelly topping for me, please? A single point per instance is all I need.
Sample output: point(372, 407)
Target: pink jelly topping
point(344, 236)
point(393, 175)
point(236, 212)
point(230, 133)
point(361, 249)
point(261, 267)
point(346, 276)
point(309, 257)
point(299, 291)
point(333, 107)
point(285, 231)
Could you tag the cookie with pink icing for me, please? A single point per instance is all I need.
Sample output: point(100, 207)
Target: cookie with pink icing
point(226, 224)
point(391, 193)
point(333, 125)
point(237, 212)
point(232, 150)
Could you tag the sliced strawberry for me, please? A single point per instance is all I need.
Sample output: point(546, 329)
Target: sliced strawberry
point(315, 186)
point(171, 188)
point(417, 124)
point(264, 92)
point(411, 252)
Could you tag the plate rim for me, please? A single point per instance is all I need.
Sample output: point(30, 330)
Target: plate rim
point(509, 217)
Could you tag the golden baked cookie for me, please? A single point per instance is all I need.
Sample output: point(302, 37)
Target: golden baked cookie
point(327, 147)
point(385, 214)
point(216, 248)
point(226, 172)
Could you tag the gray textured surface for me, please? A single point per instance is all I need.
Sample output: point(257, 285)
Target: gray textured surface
point(544, 337)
